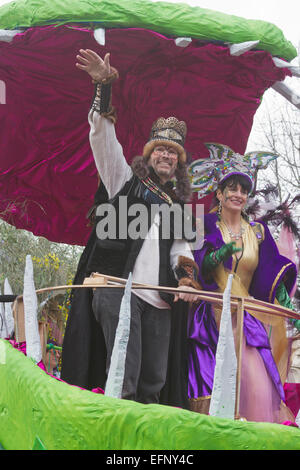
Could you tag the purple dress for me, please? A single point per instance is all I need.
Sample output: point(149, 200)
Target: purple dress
point(272, 268)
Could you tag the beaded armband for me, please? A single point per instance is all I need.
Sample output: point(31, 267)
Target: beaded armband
point(102, 96)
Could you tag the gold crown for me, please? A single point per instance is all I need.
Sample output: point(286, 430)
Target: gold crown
point(169, 131)
point(172, 126)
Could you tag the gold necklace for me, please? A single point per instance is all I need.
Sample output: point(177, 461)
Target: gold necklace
point(233, 235)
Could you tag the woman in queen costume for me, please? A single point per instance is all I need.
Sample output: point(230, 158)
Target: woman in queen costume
point(246, 249)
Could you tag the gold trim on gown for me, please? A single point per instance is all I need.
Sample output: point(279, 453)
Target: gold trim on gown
point(245, 264)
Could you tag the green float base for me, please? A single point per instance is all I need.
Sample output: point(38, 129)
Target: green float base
point(39, 412)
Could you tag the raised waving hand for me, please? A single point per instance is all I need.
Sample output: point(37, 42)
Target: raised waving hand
point(89, 61)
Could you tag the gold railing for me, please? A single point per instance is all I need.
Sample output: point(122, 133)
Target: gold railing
point(97, 281)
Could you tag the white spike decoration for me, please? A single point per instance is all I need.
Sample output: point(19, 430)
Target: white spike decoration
point(182, 42)
point(3, 329)
point(99, 35)
point(115, 378)
point(297, 420)
point(7, 36)
point(9, 319)
point(240, 48)
point(2, 352)
point(287, 93)
point(33, 343)
point(222, 403)
point(287, 65)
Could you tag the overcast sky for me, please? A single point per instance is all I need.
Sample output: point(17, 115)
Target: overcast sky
point(283, 13)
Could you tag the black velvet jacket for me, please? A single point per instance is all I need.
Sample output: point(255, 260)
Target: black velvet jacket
point(84, 353)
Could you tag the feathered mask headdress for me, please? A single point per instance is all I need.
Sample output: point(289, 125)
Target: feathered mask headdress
point(207, 173)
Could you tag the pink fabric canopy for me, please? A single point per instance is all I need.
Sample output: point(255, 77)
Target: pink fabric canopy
point(292, 396)
point(47, 173)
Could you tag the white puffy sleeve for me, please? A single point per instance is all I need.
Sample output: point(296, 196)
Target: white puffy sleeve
point(111, 164)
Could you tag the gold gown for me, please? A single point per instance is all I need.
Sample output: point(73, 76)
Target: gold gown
point(259, 400)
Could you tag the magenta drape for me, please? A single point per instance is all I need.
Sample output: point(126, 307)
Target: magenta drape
point(47, 173)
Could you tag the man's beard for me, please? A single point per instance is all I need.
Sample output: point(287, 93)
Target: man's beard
point(166, 172)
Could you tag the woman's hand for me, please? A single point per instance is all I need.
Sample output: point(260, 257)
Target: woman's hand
point(192, 297)
point(213, 259)
point(226, 251)
point(92, 63)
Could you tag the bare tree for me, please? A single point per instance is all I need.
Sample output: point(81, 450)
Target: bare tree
point(277, 129)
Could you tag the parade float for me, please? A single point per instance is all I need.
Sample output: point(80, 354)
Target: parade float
point(208, 68)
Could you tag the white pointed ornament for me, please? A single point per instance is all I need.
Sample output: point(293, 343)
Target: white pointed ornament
point(33, 343)
point(3, 329)
point(9, 319)
point(99, 35)
point(242, 47)
point(115, 378)
point(222, 403)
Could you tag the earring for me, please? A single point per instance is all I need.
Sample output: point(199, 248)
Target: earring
point(244, 211)
point(219, 210)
